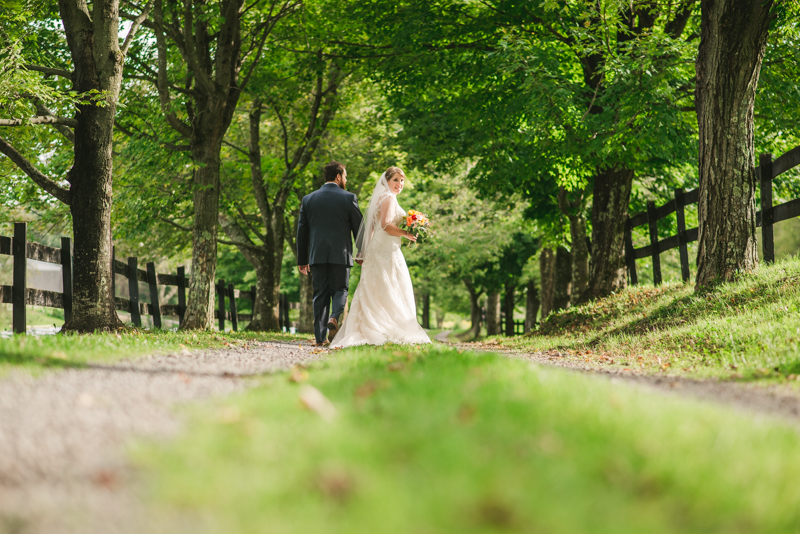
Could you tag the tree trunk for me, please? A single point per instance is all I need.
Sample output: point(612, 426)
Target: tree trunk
point(547, 270)
point(612, 192)
point(531, 306)
point(97, 59)
point(573, 209)
point(580, 256)
point(474, 308)
point(267, 306)
point(200, 304)
point(733, 38)
point(563, 275)
point(426, 310)
point(508, 306)
point(90, 179)
point(493, 313)
point(209, 108)
point(439, 319)
point(306, 323)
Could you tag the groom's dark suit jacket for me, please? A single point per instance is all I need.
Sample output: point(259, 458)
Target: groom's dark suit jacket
point(328, 217)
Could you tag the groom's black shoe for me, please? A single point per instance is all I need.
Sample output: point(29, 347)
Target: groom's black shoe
point(333, 328)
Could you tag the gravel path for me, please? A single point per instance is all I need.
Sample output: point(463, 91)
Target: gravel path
point(62, 435)
point(442, 336)
point(758, 398)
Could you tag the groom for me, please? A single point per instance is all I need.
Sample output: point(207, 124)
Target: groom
point(328, 217)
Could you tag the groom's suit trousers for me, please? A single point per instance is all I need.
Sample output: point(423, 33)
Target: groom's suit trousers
point(331, 282)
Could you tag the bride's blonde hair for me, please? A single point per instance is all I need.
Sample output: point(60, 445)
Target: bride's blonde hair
point(391, 171)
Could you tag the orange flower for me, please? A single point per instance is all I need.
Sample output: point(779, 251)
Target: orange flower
point(408, 220)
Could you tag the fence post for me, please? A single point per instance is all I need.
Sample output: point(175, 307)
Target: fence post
point(19, 288)
point(680, 211)
point(252, 303)
point(181, 294)
point(66, 277)
point(133, 289)
point(767, 214)
point(113, 274)
point(221, 304)
point(155, 307)
point(651, 223)
point(281, 310)
point(630, 259)
point(234, 316)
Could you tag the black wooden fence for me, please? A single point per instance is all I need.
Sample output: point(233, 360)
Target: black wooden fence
point(19, 294)
point(765, 218)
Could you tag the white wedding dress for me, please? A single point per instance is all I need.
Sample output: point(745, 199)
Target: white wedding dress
point(383, 308)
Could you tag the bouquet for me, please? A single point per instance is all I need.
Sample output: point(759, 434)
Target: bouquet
point(417, 223)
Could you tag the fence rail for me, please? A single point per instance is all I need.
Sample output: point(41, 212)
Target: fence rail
point(19, 294)
point(767, 170)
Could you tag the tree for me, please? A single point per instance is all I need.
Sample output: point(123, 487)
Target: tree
point(95, 74)
point(471, 237)
point(206, 54)
point(271, 198)
point(581, 95)
point(732, 43)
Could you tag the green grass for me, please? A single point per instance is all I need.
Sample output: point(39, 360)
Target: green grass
point(747, 329)
point(439, 441)
point(61, 351)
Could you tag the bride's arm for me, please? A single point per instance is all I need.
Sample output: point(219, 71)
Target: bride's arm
point(387, 215)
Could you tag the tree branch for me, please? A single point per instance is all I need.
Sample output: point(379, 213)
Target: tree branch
point(51, 71)
point(162, 85)
point(42, 119)
point(285, 135)
point(42, 180)
point(41, 109)
point(256, 172)
point(135, 26)
point(235, 147)
point(165, 144)
point(239, 239)
point(252, 228)
point(176, 225)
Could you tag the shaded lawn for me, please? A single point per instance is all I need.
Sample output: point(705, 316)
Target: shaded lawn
point(747, 329)
point(437, 441)
point(34, 353)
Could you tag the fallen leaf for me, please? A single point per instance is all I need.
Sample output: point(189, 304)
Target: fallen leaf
point(466, 413)
point(106, 479)
point(230, 415)
point(366, 390)
point(314, 400)
point(336, 484)
point(298, 374)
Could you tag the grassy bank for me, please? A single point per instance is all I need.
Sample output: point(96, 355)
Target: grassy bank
point(438, 441)
point(747, 329)
point(60, 351)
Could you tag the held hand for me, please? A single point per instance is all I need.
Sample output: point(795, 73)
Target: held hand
point(303, 269)
point(360, 262)
point(411, 237)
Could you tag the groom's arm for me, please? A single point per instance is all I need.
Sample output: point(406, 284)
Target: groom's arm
point(302, 240)
point(355, 222)
point(355, 217)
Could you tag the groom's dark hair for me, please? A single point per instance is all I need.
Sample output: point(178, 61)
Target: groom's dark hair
point(332, 170)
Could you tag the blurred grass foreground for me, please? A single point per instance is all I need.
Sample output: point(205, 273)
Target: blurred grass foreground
point(434, 440)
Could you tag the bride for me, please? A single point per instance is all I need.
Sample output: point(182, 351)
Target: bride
point(383, 308)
